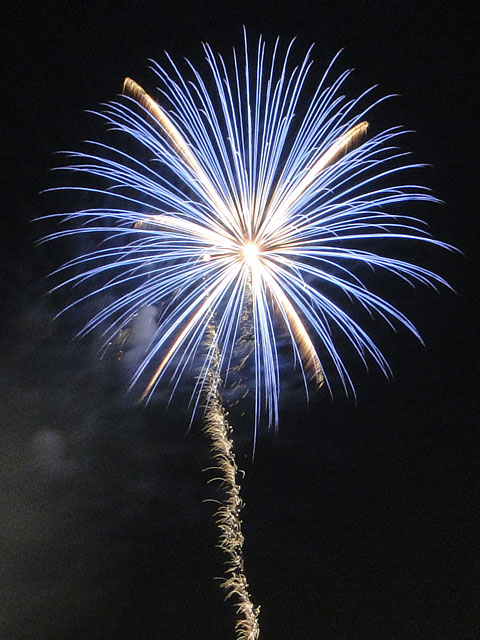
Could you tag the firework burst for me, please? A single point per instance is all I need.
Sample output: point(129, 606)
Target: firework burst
point(243, 192)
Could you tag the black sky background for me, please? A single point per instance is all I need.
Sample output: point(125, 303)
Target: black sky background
point(360, 518)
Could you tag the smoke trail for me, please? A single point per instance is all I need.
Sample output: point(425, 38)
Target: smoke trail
point(228, 514)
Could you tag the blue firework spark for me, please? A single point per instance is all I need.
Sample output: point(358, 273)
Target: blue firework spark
point(244, 194)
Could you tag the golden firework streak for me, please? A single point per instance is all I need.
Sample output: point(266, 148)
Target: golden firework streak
point(180, 145)
point(326, 159)
point(277, 211)
point(228, 514)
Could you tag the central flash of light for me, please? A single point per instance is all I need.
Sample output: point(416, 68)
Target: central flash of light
point(250, 252)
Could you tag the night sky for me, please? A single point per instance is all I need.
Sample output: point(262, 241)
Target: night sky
point(360, 516)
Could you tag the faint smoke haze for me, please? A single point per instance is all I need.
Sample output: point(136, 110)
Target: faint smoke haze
point(88, 482)
point(143, 328)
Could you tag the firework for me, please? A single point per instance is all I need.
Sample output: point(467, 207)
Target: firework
point(246, 214)
point(243, 191)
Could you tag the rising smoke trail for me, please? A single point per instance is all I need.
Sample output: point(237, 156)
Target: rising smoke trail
point(218, 428)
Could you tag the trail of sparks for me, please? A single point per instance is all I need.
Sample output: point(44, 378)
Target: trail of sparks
point(228, 514)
